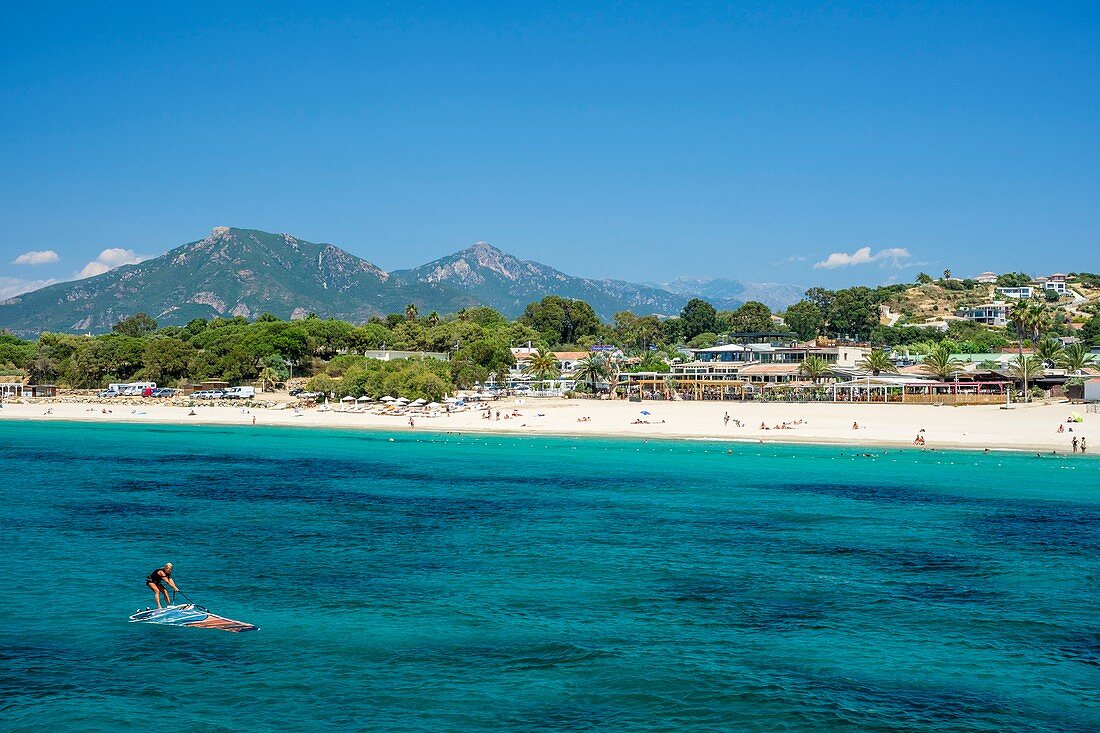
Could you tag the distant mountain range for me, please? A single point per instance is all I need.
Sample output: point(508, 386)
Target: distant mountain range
point(776, 296)
point(245, 272)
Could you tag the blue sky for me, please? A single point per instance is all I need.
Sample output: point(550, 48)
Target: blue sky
point(638, 141)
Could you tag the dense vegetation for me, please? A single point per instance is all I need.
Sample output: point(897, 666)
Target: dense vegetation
point(478, 341)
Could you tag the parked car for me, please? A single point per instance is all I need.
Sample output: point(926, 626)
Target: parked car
point(163, 392)
point(209, 394)
point(107, 393)
point(240, 393)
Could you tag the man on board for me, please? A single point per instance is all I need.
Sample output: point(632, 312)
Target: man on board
point(156, 581)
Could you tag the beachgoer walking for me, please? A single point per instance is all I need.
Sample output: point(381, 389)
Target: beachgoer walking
point(726, 419)
point(156, 581)
point(1082, 443)
point(1074, 443)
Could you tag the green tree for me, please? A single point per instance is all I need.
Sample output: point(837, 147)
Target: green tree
point(877, 362)
point(697, 317)
point(483, 316)
point(947, 274)
point(15, 351)
point(703, 340)
point(1027, 369)
point(751, 317)
point(814, 368)
point(411, 312)
point(1090, 332)
point(138, 325)
point(853, 313)
point(924, 278)
point(1049, 351)
point(542, 365)
point(1075, 358)
point(592, 369)
point(473, 361)
point(166, 360)
point(561, 320)
point(805, 319)
point(941, 363)
point(1013, 280)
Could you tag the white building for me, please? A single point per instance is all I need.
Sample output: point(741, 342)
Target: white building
point(987, 278)
point(1024, 291)
point(991, 314)
point(1056, 282)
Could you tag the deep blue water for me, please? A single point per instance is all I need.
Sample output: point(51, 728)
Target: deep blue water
point(459, 583)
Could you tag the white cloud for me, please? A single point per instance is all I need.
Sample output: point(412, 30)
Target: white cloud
point(863, 256)
point(791, 260)
point(12, 286)
point(36, 257)
point(109, 259)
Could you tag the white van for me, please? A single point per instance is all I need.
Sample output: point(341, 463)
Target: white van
point(240, 393)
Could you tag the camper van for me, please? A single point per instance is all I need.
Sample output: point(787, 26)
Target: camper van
point(240, 393)
point(131, 389)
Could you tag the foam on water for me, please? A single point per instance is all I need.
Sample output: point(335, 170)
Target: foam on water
point(409, 581)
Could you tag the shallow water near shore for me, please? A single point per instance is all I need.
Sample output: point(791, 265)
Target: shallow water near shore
point(409, 581)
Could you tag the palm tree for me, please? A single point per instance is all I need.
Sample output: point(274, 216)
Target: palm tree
point(814, 368)
point(1075, 358)
point(947, 274)
point(593, 368)
point(1026, 368)
point(1049, 351)
point(1028, 318)
point(876, 362)
point(433, 318)
point(939, 362)
point(268, 375)
point(411, 312)
point(542, 365)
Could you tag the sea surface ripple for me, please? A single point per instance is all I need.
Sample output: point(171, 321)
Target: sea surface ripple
point(413, 581)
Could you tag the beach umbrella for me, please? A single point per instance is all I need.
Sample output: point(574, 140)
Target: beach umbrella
point(646, 412)
point(1077, 417)
point(387, 398)
point(364, 398)
point(419, 401)
point(402, 400)
point(433, 405)
point(348, 398)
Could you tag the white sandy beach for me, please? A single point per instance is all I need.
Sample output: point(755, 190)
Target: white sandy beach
point(1030, 427)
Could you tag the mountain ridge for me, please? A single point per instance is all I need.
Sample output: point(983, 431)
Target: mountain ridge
point(246, 272)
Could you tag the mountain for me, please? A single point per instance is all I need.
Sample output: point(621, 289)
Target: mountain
point(245, 272)
point(488, 275)
point(776, 296)
point(232, 272)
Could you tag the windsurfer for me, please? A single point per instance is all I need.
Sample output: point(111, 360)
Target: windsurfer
point(156, 581)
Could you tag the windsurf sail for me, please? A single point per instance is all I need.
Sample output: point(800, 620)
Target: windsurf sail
point(190, 614)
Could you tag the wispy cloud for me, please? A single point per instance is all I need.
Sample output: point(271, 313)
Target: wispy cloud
point(36, 257)
point(791, 260)
point(13, 286)
point(863, 256)
point(109, 259)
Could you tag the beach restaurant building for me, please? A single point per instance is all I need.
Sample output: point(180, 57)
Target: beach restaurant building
point(738, 371)
point(901, 388)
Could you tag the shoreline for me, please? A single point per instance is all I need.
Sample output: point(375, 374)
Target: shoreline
point(1031, 428)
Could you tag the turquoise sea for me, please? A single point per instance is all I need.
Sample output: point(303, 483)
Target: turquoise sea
point(472, 583)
